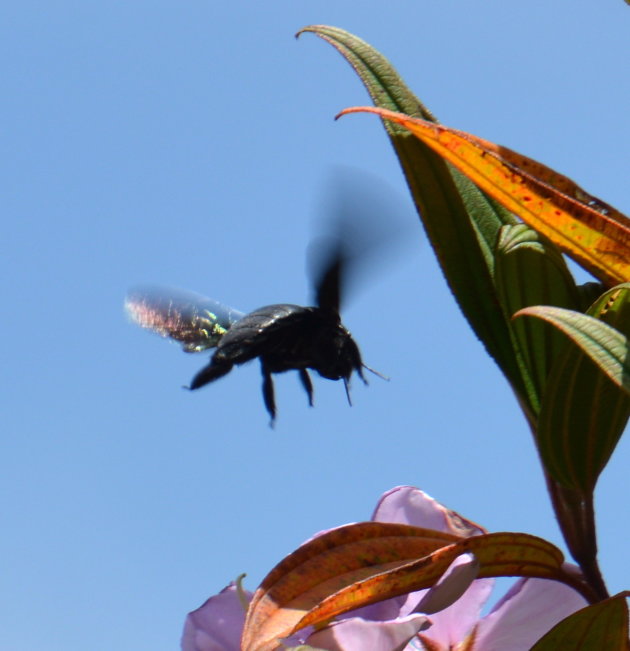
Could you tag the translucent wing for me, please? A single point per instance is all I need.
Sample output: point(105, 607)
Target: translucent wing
point(196, 322)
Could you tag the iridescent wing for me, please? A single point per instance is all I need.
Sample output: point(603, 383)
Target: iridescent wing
point(196, 322)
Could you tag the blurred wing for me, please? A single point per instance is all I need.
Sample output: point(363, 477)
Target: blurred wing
point(197, 322)
point(331, 265)
point(361, 221)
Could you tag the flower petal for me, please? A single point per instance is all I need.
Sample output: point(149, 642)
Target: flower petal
point(409, 505)
point(217, 624)
point(451, 585)
point(525, 614)
point(358, 634)
point(451, 625)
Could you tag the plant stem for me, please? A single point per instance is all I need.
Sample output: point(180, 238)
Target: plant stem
point(576, 516)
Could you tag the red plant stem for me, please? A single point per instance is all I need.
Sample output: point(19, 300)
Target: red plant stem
point(576, 516)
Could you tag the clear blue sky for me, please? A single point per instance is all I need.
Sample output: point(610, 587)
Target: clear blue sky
point(186, 143)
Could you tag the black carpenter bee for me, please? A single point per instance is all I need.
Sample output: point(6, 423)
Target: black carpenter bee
point(284, 337)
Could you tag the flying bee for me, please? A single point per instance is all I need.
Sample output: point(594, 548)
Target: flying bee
point(282, 336)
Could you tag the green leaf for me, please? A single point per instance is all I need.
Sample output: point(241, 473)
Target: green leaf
point(603, 625)
point(530, 270)
point(462, 223)
point(605, 346)
point(586, 404)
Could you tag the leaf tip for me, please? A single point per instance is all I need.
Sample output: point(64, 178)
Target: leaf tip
point(357, 109)
point(309, 28)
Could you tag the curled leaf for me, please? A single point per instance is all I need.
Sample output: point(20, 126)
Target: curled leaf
point(590, 231)
point(360, 564)
point(296, 592)
point(606, 346)
point(586, 407)
point(462, 223)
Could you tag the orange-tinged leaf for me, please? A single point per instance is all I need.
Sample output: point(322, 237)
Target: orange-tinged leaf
point(325, 565)
point(603, 625)
point(363, 563)
point(499, 554)
point(585, 228)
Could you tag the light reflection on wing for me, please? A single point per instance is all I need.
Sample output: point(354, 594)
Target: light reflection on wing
point(197, 322)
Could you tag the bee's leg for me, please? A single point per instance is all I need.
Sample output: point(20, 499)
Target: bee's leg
point(213, 371)
point(307, 384)
point(268, 392)
point(346, 384)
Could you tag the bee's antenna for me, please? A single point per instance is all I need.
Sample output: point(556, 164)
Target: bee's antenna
point(371, 370)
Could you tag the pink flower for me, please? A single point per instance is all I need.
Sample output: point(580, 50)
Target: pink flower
point(217, 624)
point(518, 620)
